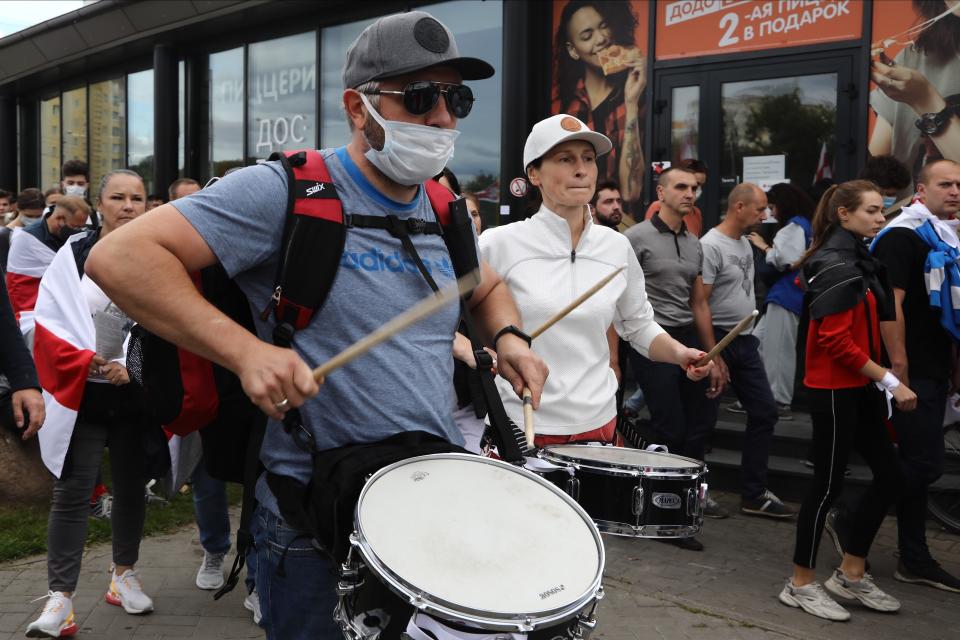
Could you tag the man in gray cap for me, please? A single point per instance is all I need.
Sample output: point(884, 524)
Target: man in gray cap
point(403, 96)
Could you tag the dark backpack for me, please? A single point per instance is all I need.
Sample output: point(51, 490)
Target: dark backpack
point(189, 393)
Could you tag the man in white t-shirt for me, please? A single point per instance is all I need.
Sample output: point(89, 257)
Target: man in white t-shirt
point(728, 281)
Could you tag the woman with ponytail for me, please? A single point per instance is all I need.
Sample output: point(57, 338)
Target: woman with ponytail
point(846, 297)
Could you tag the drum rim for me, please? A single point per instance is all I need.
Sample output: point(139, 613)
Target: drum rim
point(549, 453)
point(432, 604)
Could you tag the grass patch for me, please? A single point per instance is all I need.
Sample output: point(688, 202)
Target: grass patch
point(23, 529)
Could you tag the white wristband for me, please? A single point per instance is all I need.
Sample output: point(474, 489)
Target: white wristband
point(889, 381)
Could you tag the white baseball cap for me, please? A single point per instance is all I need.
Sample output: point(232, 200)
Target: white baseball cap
point(548, 133)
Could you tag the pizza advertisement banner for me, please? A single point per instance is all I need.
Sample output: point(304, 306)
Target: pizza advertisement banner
point(688, 28)
point(600, 76)
point(915, 77)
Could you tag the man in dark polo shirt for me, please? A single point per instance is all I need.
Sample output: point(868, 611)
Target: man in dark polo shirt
point(671, 259)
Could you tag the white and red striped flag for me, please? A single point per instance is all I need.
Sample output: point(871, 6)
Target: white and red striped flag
point(63, 348)
point(26, 263)
point(824, 166)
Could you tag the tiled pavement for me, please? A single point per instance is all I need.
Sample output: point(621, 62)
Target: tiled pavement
point(653, 591)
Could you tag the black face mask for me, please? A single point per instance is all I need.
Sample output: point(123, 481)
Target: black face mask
point(65, 232)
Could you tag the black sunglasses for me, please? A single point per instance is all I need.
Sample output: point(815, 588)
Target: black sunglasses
point(422, 96)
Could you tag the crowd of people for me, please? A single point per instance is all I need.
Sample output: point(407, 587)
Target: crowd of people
point(869, 328)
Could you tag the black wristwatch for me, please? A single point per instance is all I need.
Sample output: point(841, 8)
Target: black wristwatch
point(932, 124)
point(515, 330)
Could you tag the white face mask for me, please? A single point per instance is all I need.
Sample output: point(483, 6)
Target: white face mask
point(75, 190)
point(412, 153)
point(697, 193)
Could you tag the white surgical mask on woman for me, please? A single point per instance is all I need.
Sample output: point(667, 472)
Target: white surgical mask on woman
point(412, 153)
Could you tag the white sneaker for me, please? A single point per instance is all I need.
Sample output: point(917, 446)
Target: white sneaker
point(252, 603)
point(210, 575)
point(864, 590)
point(56, 620)
point(126, 591)
point(814, 600)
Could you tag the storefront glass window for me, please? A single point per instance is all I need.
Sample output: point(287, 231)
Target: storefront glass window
point(282, 99)
point(478, 27)
point(49, 143)
point(140, 125)
point(107, 125)
point(226, 111)
point(788, 121)
point(75, 125)
point(684, 123)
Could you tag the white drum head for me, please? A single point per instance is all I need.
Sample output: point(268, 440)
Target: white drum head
point(620, 457)
point(479, 535)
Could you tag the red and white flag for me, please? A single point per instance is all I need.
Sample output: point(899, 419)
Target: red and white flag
point(63, 348)
point(26, 263)
point(824, 166)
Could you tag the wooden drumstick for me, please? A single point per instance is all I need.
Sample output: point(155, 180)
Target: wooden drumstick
point(727, 339)
point(414, 314)
point(527, 394)
point(576, 303)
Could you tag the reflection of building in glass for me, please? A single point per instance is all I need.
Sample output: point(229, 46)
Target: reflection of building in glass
point(50, 142)
point(226, 111)
point(107, 128)
point(140, 132)
point(74, 125)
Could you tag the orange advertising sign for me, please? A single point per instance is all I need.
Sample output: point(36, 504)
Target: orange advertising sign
point(707, 27)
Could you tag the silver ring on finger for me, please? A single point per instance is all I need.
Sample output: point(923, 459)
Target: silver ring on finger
point(283, 404)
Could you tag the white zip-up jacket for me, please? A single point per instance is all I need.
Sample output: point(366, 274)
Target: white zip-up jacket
point(535, 259)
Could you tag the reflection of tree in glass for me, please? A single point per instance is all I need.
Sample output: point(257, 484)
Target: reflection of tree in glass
point(480, 182)
point(781, 124)
point(145, 169)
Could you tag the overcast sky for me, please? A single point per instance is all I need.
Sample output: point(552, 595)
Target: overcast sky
point(20, 14)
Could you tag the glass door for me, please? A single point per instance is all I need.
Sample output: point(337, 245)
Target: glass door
point(778, 121)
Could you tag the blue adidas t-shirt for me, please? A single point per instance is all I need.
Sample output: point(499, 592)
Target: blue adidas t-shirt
point(403, 384)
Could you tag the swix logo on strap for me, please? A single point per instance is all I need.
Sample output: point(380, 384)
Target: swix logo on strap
point(317, 188)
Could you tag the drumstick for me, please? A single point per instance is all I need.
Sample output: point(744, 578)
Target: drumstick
point(576, 303)
point(527, 394)
point(727, 339)
point(414, 314)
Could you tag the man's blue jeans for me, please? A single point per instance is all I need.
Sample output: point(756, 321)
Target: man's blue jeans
point(298, 603)
point(748, 378)
point(210, 508)
point(213, 519)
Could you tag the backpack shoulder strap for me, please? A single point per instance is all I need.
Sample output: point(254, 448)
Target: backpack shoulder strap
point(440, 199)
point(313, 239)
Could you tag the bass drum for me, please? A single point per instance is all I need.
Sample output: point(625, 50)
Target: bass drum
point(477, 545)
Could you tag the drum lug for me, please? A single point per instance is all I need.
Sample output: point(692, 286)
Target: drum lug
point(350, 579)
point(693, 502)
point(573, 488)
point(637, 506)
point(585, 626)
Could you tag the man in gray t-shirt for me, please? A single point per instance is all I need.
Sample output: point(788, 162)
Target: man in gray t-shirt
point(402, 98)
point(728, 279)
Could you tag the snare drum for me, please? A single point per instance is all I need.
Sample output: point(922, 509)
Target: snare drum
point(473, 542)
point(630, 492)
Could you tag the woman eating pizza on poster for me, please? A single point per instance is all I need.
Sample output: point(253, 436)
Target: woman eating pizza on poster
point(600, 79)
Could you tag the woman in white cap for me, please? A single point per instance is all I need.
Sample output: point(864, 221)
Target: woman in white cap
point(553, 257)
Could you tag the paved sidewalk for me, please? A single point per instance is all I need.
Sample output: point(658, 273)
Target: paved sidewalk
point(653, 591)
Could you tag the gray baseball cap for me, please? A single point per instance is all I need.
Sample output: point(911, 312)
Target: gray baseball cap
point(405, 42)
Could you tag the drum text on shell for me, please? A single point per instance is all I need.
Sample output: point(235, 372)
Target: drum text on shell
point(666, 500)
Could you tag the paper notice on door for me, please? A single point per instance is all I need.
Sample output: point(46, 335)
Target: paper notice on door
point(765, 171)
